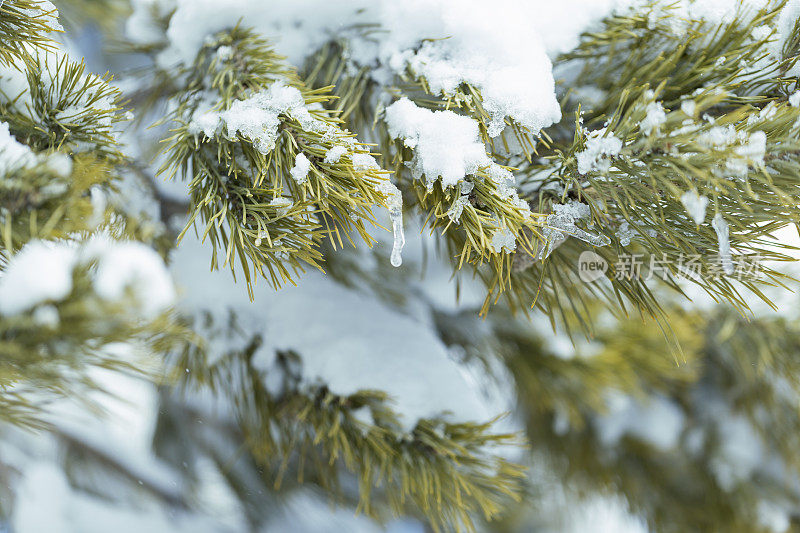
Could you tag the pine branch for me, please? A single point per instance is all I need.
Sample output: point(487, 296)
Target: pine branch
point(63, 107)
point(442, 470)
point(24, 25)
point(267, 192)
point(48, 351)
point(729, 363)
point(480, 215)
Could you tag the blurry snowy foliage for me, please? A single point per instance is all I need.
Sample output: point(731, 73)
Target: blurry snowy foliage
point(314, 265)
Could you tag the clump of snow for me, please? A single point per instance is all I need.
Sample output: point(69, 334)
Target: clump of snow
point(506, 90)
point(131, 266)
point(300, 169)
point(446, 145)
point(333, 155)
point(695, 205)
point(600, 148)
point(654, 118)
point(794, 99)
point(282, 204)
point(38, 273)
point(748, 148)
point(16, 156)
point(503, 241)
point(347, 340)
point(658, 421)
point(363, 162)
point(256, 118)
point(448, 42)
point(754, 147)
point(761, 33)
point(43, 272)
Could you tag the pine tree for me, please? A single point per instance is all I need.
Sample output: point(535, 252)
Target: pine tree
point(334, 265)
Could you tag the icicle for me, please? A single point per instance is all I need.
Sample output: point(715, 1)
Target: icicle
point(566, 224)
point(399, 238)
point(595, 239)
point(394, 201)
point(561, 224)
point(723, 236)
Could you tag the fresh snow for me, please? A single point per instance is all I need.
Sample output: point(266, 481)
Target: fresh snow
point(347, 340)
point(300, 169)
point(446, 145)
point(503, 241)
point(695, 205)
point(749, 148)
point(657, 421)
point(16, 156)
point(449, 42)
point(600, 148)
point(131, 266)
point(655, 117)
point(42, 272)
point(255, 118)
point(333, 155)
